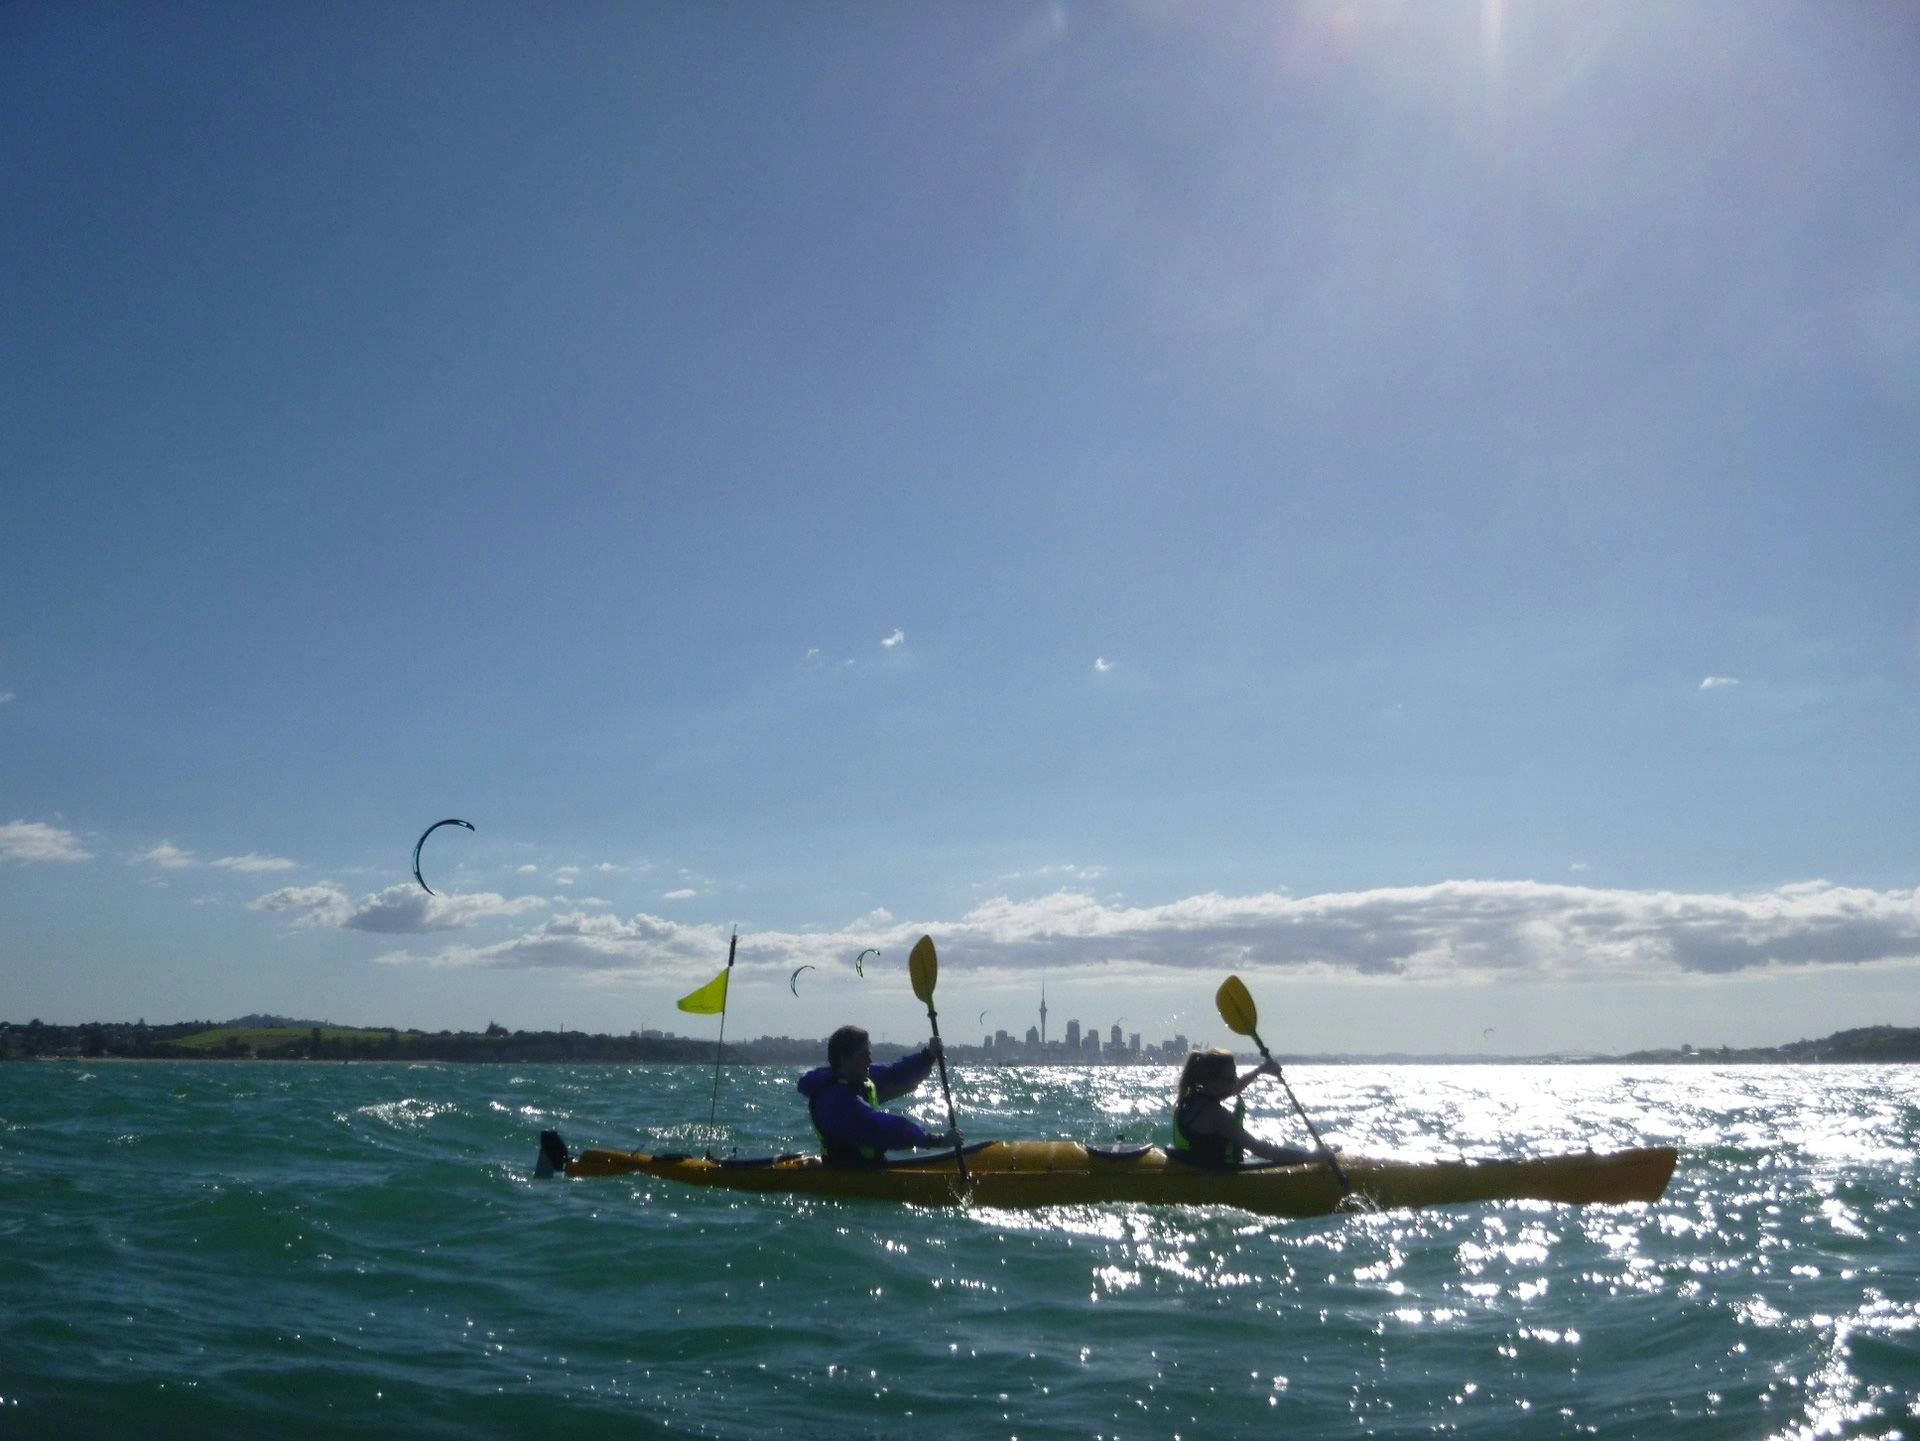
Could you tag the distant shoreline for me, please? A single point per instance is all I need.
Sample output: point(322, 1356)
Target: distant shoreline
point(272, 1038)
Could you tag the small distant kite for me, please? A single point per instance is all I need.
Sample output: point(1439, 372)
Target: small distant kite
point(792, 979)
point(1487, 1032)
point(859, 961)
point(450, 821)
point(983, 1018)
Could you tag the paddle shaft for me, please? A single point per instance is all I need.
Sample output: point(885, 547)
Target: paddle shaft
point(959, 1156)
point(1305, 1119)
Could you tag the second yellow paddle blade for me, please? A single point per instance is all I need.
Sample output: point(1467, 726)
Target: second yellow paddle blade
point(1236, 1007)
point(924, 967)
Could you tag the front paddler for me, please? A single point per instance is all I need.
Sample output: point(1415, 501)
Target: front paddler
point(845, 1095)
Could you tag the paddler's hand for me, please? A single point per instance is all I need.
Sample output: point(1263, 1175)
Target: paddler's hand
point(1268, 1068)
point(934, 1049)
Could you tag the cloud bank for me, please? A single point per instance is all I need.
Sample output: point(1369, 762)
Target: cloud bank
point(398, 910)
point(1456, 930)
point(37, 841)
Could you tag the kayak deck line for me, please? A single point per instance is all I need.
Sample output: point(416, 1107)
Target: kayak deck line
point(1029, 1174)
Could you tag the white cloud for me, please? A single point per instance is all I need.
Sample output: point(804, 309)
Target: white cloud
point(897, 638)
point(405, 909)
point(527, 870)
point(685, 893)
point(580, 942)
point(37, 841)
point(1102, 665)
point(1579, 866)
point(170, 857)
point(308, 905)
point(398, 910)
point(1481, 930)
point(251, 864)
point(7, 696)
point(167, 856)
point(609, 868)
point(1718, 682)
point(813, 652)
point(1065, 870)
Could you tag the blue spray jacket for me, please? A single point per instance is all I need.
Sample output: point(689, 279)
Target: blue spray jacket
point(849, 1125)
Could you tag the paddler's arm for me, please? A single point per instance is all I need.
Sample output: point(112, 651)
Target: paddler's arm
point(1217, 1120)
point(905, 1074)
point(851, 1121)
point(1292, 1155)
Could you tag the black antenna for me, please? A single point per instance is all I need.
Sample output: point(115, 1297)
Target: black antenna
point(713, 1107)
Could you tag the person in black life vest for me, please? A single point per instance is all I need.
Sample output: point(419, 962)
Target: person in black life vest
point(1205, 1132)
point(845, 1095)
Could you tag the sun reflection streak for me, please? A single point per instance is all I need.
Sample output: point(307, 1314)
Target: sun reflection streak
point(1776, 1246)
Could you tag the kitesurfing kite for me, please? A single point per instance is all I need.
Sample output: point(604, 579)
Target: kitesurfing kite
point(796, 976)
point(983, 1018)
point(859, 965)
point(450, 821)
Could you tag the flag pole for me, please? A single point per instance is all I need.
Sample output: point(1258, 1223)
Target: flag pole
point(713, 1107)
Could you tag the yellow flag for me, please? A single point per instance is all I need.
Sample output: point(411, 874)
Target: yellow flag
point(709, 1000)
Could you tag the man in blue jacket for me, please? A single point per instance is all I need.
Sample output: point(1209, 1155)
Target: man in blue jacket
point(844, 1098)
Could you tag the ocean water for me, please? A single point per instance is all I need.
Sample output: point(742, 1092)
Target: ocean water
point(297, 1250)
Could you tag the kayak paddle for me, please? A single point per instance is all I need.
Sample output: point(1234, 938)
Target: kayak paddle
point(924, 967)
point(1236, 1009)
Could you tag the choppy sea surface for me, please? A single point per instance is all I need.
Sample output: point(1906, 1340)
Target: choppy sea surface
point(288, 1250)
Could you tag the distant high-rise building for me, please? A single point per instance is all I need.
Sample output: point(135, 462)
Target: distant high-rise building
point(1073, 1035)
point(1133, 1042)
point(1113, 1036)
point(1002, 1040)
point(1033, 1035)
point(1180, 1042)
point(1092, 1042)
point(1043, 1013)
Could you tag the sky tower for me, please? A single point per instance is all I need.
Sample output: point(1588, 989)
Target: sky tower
point(1043, 1012)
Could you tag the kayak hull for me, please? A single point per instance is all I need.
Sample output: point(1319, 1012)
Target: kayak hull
point(1026, 1174)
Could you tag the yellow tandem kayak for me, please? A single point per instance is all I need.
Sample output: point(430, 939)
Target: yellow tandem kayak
point(1023, 1174)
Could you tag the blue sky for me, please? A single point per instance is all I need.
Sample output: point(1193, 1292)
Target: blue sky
point(1414, 504)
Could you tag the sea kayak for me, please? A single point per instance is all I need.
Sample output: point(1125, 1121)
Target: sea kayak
point(1025, 1174)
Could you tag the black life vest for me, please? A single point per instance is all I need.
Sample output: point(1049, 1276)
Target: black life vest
point(1202, 1149)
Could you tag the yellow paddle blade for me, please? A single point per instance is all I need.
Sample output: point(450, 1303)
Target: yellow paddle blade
point(924, 967)
point(1236, 1007)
